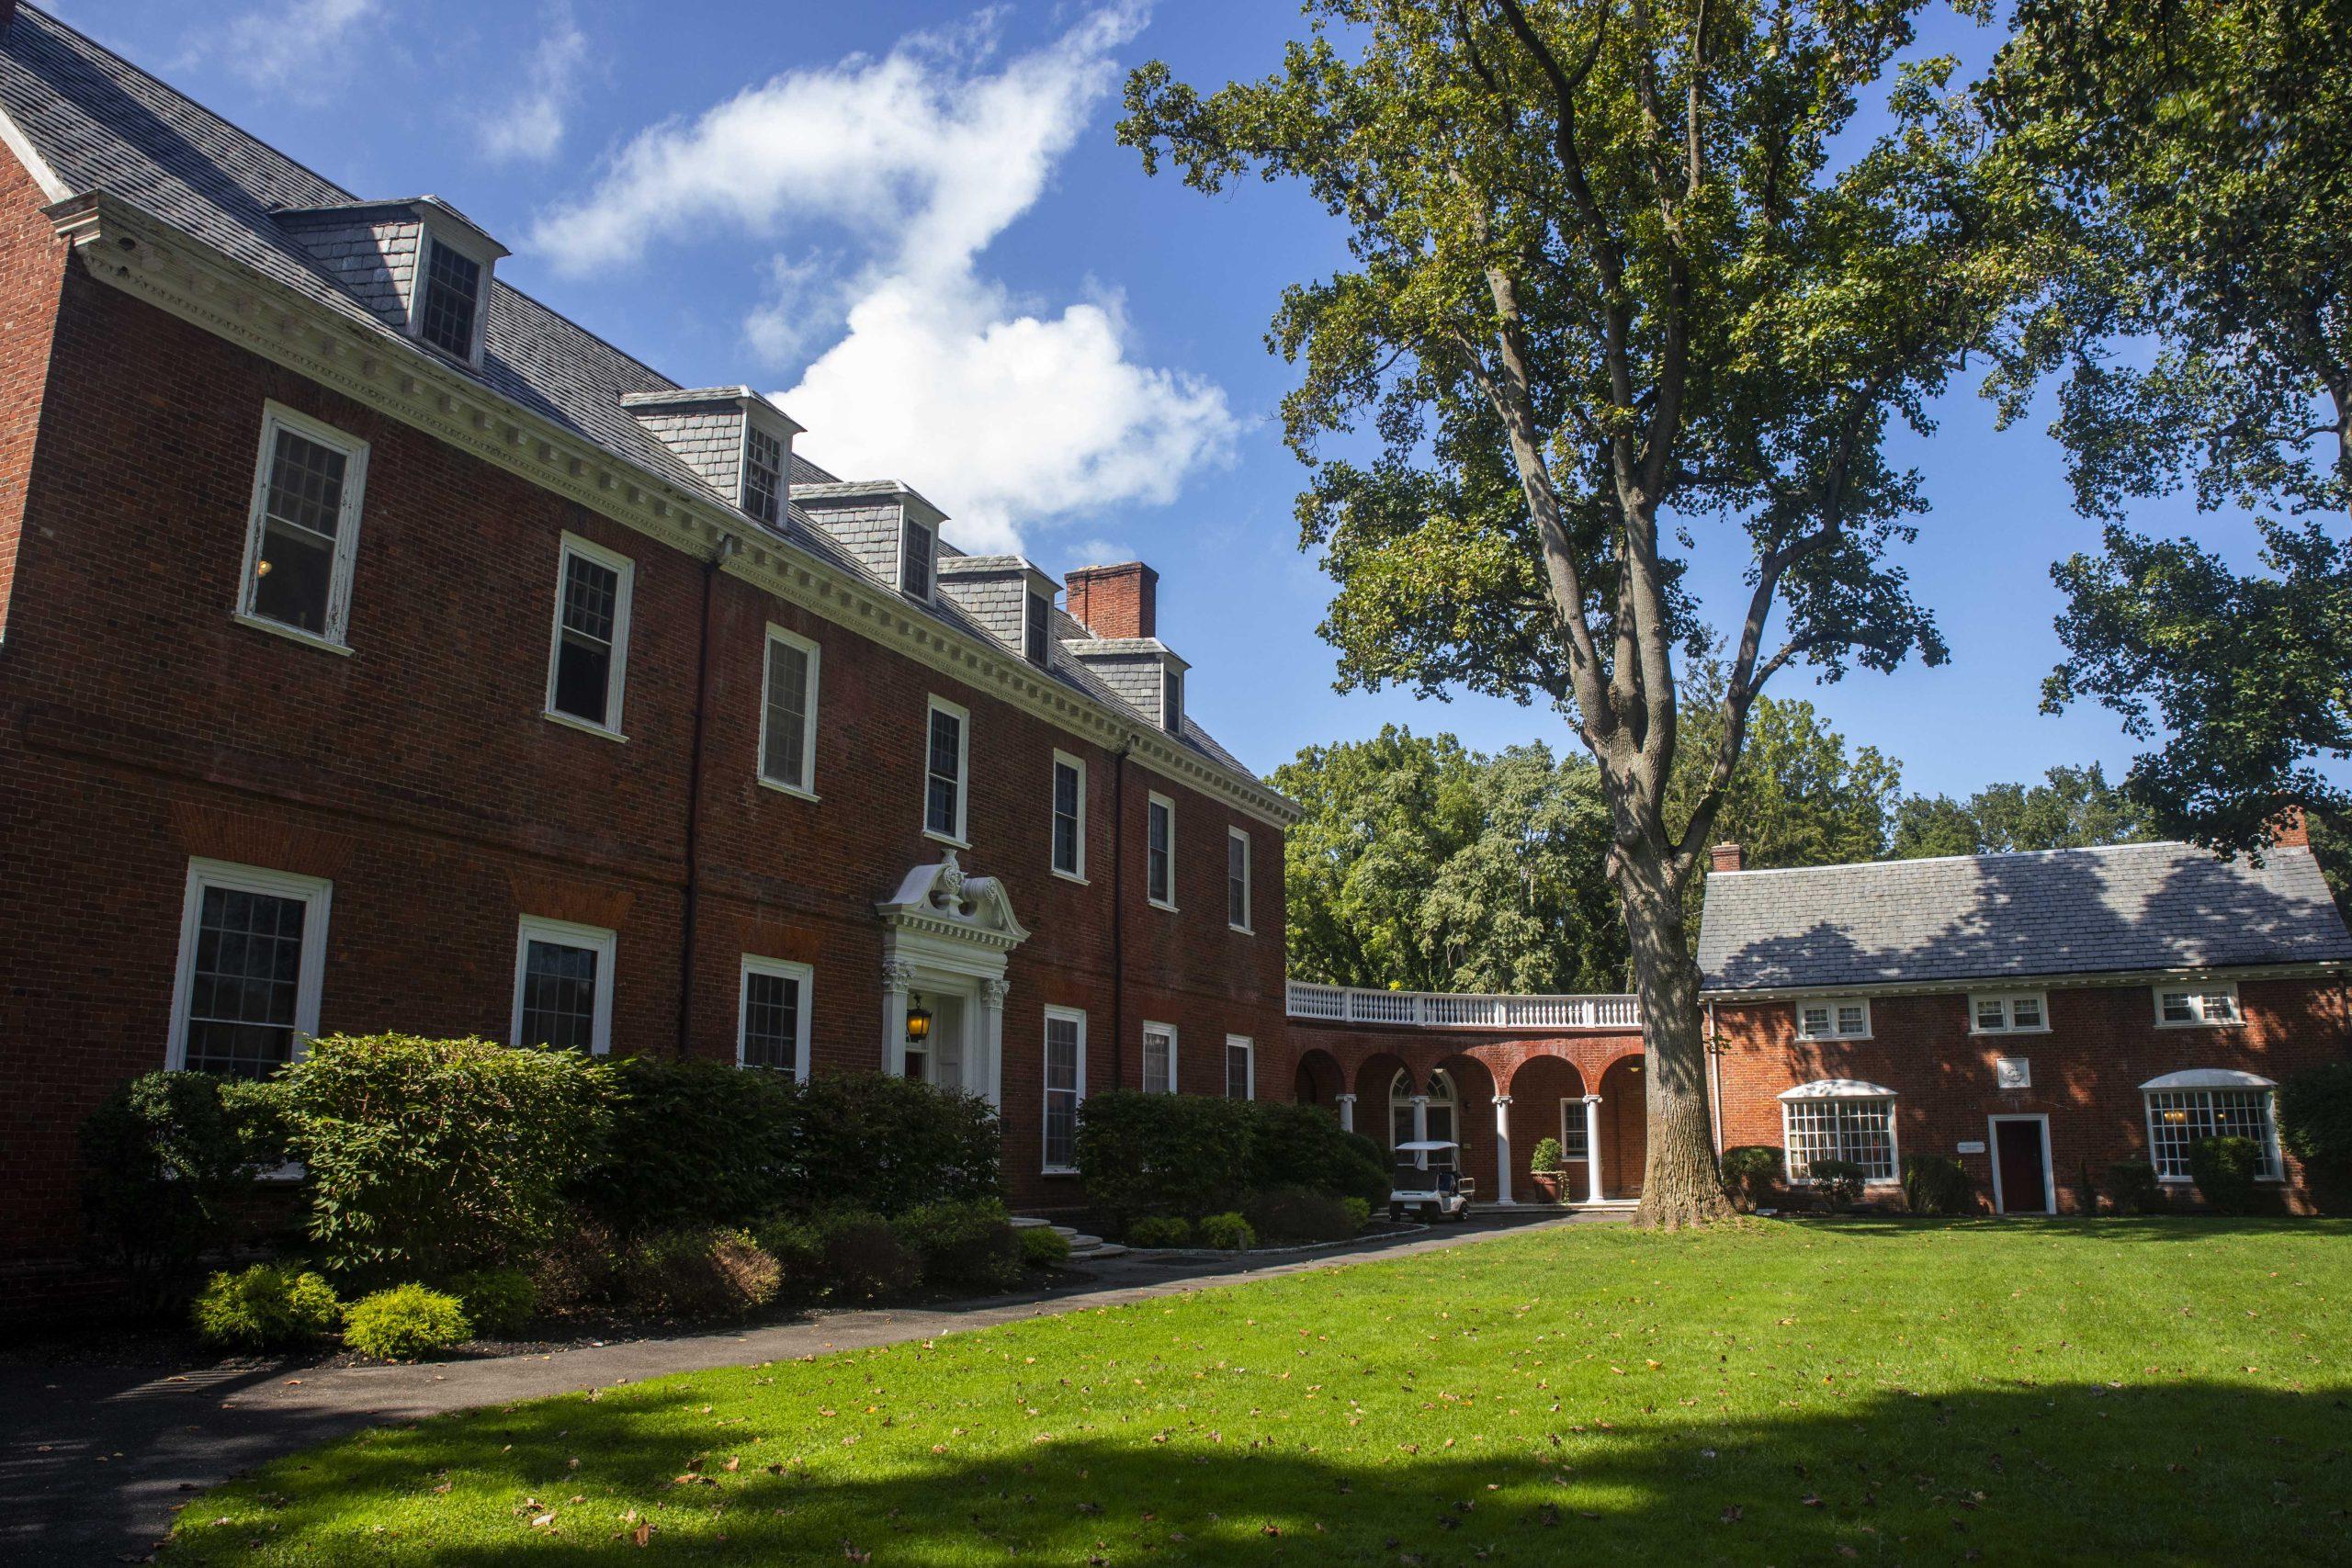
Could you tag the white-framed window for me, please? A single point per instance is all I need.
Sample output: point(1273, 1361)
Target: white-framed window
point(1171, 700)
point(252, 965)
point(1159, 1058)
point(2212, 1004)
point(1835, 1018)
point(1240, 1068)
point(764, 487)
point(2008, 1012)
point(563, 986)
point(1159, 851)
point(917, 546)
point(588, 660)
point(1437, 1119)
point(1038, 627)
point(1070, 817)
point(947, 744)
point(302, 530)
point(1237, 878)
point(1837, 1120)
point(1573, 1142)
point(788, 714)
point(2185, 1109)
point(449, 299)
point(772, 1015)
point(1065, 1087)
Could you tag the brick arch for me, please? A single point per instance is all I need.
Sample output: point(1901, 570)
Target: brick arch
point(1624, 1127)
point(1474, 1092)
point(1318, 1078)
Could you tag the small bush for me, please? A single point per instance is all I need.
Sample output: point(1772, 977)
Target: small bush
point(2132, 1187)
point(699, 1275)
point(169, 1162)
point(694, 1143)
point(1752, 1171)
point(1836, 1183)
point(1546, 1157)
point(2226, 1172)
point(579, 1267)
point(877, 1141)
point(1937, 1184)
point(406, 1323)
point(266, 1307)
point(1228, 1233)
point(1041, 1247)
point(2086, 1189)
point(798, 1247)
point(499, 1303)
point(2315, 1120)
point(865, 1259)
point(1159, 1230)
point(968, 1244)
point(1358, 1213)
point(1299, 1214)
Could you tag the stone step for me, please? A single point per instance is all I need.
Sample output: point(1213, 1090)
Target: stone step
point(1081, 1246)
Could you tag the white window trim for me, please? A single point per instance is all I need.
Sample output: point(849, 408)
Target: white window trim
point(1175, 1079)
point(2269, 1117)
point(1168, 903)
point(1064, 760)
point(806, 789)
point(743, 469)
point(2196, 992)
point(564, 933)
point(962, 838)
point(2049, 1172)
point(1067, 1015)
point(1172, 683)
point(782, 969)
point(1249, 1046)
point(316, 895)
point(1833, 1004)
point(275, 417)
point(1249, 881)
point(2008, 1000)
point(1045, 654)
point(427, 237)
point(616, 681)
point(899, 572)
point(1894, 1137)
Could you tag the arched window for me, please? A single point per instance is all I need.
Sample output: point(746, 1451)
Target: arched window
point(2185, 1109)
point(1442, 1105)
point(1842, 1119)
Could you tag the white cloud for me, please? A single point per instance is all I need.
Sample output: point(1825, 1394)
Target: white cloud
point(302, 46)
point(532, 126)
point(1004, 412)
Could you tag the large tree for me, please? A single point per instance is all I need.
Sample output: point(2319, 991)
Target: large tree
point(2072, 808)
point(1624, 275)
point(2201, 152)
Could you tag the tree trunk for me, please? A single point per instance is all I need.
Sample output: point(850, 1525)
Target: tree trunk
point(1681, 1184)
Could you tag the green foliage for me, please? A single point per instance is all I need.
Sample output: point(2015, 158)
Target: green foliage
point(168, 1164)
point(579, 1266)
point(2133, 1188)
point(966, 1243)
point(798, 1246)
point(1753, 1173)
point(864, 1257)
point(2315, 1118)
point(1545, 1155)
point(694, 1143)
point(1168, 1153)
point(429, 1157)
point(1299, 1214)
point(1159, 1230)
point(268, 1307)
point(1304, 1145)
point(875, 1140)
point(1227, 1233)
point(1937, 1184)
point(2227, 1174)
point(1041, 1247)
point(1836, 1183)
point(406, 1323)
point(1358, 1213)
point(2071, 808)
point(499, 1303)
point(701, 1274)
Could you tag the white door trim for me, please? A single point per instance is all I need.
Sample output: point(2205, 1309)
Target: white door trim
point(2049, 1172)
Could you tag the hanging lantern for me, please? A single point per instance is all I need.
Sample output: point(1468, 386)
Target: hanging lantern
point(918, 1021)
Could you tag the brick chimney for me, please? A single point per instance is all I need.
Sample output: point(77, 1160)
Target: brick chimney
point(1727, 857)
point(2290, 831)
point(1114, 601)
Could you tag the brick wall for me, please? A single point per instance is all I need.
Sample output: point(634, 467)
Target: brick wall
point(31, 263)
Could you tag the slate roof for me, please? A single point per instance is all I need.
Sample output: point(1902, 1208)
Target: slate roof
point(103, 124)
point(2126, 909)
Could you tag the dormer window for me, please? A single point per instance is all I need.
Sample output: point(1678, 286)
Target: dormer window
point(1171, 701)
point(1036, 628)
point(452, 300)
point(762, 474)
point(916, 545)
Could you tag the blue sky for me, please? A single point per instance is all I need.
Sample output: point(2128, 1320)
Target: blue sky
point(910, 222)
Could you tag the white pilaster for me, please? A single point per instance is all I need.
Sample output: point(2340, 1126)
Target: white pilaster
point(1347, 1103)
point(992, 993)
point(1592, 1147)
point(897, 980)
point(1502, 1149)
point(1422, 1128)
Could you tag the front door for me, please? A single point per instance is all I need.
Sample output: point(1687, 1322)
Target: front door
point(2025, 1185)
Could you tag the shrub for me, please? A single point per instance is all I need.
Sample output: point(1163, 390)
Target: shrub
point(266, 1306)
point(873, 1141)
point(1937, 1184)
point(1041, 1247)
point(2086, 1189)
point(1159, 1230)
point(405, 1323)
point(1752, 1171)
point(1546, 1157)
point(1358, 1213)
point(499, 1303)
point(430, 1156)
point(1836, 1183)
point(2315, 1120)
point(694, 1143)
point(865, 1259)
point(798, 1247)
point(169, 1162)
point(1304, 1145)
point(702, 1273)
point(1299, 1214)
point(579, 1266)
point(2132, 1187)
point(2226, 1171)
point(969, 1243)
point(1162, 1154)
point(1228, 1233)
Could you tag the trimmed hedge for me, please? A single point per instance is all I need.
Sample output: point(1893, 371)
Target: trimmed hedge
point(1752, 1171)
point(966, 1244)
point(2132, 1187)
point(1188, 1156)
point(1160, 1230)
point(871, 1141)
point(1836, 1183)
point(1041, 1247)
point(498, 1302)
point(864, 1257)
point(1301, 1215)
point(2227, 1172)
point(1303, 1146)
point(1228, 1233)
point(694, 1143)
point(168, 1164)
point(2315, 1119)
point(1937, 1184)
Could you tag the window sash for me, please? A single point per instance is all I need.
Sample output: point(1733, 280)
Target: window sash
point(788, 728)
point(944, 774)
point(1065, 1088)
point(563, 986)
point(1237, 880)
point(2178, 1119)
point(1159, 832)
point(772, 1027)
point(588, 667)
point(252, 961)
point(763, 473)
point(1036, 624)
point(452, 300)
point(1159, 1060)
point(2023, 1013)
point(2198, 1005)
point(301, 531)
point(915, 550)
point(1171, 700)
point(1834, 1019)
point(1860, 1131)
point(1240, 1079)
point(1069, 819)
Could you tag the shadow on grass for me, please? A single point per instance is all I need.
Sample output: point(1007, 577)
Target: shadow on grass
point(2057, 1472)
point(2111, 1227)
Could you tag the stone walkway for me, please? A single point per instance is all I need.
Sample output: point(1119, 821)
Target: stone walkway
point(95, 1458)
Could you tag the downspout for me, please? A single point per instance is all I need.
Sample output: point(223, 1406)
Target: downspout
point(728, 547)
point(1119, 913)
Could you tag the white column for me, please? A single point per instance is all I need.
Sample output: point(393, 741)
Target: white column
point(897, 980)
point(1421, 1129)
point(1502, 1148)
point(1592, 1148)
point(992, 994)
point(1347, 1103)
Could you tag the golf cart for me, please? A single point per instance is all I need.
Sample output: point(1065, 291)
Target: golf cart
point(1427, 1182)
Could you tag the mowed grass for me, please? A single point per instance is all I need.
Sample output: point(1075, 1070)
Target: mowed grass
point(2166, 1391)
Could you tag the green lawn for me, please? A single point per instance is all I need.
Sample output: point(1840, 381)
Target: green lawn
point(2170, 1390)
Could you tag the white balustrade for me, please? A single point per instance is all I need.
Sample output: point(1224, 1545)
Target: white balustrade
point(1452, 1010)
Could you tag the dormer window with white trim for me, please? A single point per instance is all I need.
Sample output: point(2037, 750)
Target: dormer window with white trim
point(764, 461)
point(1171, 700)
point(1835, 1018)
point(2008, 1012)
point(2194, 1007)
point(917, 546)
point(1036, 627)
point(450, 318)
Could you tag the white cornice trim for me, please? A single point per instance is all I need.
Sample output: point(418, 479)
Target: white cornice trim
point(130, 249)
point(1988, 983)
point(13, 137)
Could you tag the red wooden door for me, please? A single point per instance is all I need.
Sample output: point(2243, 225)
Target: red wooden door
point(2023, 1191)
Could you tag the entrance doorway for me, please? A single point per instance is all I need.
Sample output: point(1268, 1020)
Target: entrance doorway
point(2021, 1182)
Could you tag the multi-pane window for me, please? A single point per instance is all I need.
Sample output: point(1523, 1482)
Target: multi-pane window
point(1834, 1020)
point(1159, 1058)
point(2178, 1119)
point(590, 657)
point(1171, 700)
point(1237, 879)
point(1572, 1128)
point(1240, 1071)
point(1036, 627)
point(1858, 1130)
point(563, 986)
point(762, 474)
point(943, 761)
point(1159, 851)
point(251, 947)
point(773, 1031)
point(1064, 1085)
point(2009, 1013)
point(452, 300)
point(1070, 817)
point(789, 713)
point(2190, 1006)
point(915, 549)
point(304, 523)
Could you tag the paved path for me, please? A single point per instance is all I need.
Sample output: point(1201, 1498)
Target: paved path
point(95, 1458)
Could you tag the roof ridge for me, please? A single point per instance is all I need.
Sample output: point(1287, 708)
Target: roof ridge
point(1990, 854)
